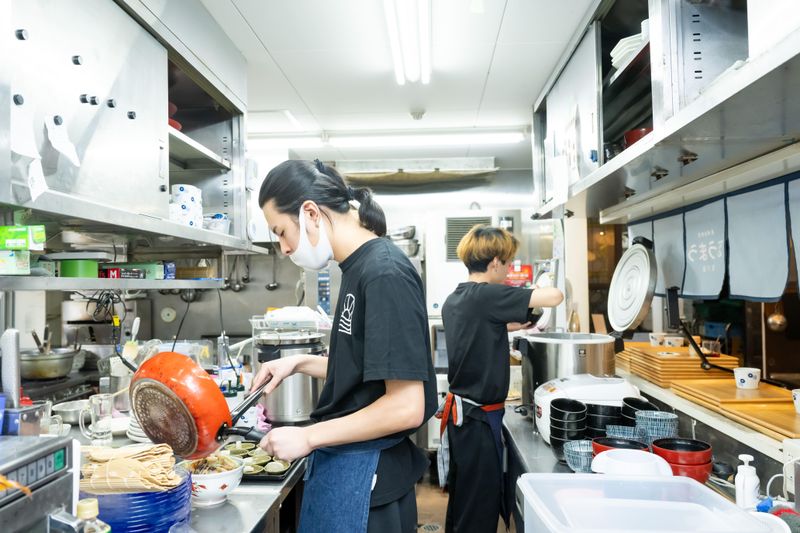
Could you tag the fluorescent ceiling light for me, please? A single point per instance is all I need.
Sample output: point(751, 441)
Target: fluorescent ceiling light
point(426, 139)
point(424, 7)
point(408, 24)
point(285, 142)
point(394, 41)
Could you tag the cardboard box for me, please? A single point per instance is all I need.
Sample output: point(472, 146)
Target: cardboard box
point(15, 263)
point(22, 238)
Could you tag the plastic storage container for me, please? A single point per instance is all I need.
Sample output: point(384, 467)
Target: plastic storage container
point(590, 503)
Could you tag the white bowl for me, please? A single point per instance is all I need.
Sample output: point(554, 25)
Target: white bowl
point(209, 490)
point(637, 463)
point(747, 377)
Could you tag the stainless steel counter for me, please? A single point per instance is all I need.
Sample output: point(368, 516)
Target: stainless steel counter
point(252, 506)
point(534, 454)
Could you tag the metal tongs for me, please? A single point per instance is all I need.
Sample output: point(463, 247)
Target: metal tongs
point(248, 433)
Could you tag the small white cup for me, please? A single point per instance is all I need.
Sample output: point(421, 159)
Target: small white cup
point(796, 399)
point(673, 341)
point(746, 377)
point(657, 339)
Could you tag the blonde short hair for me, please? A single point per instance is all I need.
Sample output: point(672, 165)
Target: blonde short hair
point(482, 244)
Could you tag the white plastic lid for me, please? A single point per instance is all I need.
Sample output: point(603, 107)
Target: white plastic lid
point(632, 288)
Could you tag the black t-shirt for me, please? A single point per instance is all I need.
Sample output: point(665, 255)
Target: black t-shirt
point(475, 317)
point(380, 332)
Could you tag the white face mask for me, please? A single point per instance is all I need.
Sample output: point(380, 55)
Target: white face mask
point(308, 255)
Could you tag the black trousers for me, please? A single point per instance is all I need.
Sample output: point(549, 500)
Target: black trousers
point(475, 480)
point(399, 516)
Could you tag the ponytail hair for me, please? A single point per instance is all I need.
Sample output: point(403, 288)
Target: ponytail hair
point(293, 182)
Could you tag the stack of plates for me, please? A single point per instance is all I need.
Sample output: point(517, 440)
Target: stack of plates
point(625, 49)
point(135, 432)
point(150, 512)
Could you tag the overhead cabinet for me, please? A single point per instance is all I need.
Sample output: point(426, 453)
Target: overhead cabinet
point(698, 83)
point(108, 110)
point(88, 105)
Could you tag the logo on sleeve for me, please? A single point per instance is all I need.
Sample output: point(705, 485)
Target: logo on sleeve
point(346, 320)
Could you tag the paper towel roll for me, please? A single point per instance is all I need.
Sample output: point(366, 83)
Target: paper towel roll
point(9, 345)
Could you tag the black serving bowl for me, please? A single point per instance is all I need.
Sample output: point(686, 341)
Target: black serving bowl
point(566, 409)
point(604, 410)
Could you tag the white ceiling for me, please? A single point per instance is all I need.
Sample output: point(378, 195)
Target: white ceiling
point(329, 63)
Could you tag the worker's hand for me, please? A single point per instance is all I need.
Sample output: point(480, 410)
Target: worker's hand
point(516, 326)
point(278, 370)
point(287, 443)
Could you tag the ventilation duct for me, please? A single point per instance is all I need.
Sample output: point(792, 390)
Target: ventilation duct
point(416, 171)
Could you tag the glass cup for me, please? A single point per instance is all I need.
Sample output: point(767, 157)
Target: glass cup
point(100, 408)
point(47, 419)
point(714, 347)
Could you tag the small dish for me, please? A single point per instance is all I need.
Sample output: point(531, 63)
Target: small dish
point(240, 445)
point(277, 467)
point(250, 470)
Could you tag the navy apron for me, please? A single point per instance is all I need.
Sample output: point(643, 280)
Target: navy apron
point(338, 486)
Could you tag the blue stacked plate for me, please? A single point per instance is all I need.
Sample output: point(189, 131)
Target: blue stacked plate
point(146, 512)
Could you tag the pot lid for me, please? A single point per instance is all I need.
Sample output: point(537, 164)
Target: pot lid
point(286, 337)
point(632, 286)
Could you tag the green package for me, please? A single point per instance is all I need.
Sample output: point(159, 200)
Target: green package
point(22, 238)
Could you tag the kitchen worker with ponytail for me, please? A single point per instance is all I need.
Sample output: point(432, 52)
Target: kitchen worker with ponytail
point(380, 385)
point(477, 317)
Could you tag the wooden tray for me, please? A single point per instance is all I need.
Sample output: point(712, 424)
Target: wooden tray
point(780, 418)
point(724, 391)
point(732, 411)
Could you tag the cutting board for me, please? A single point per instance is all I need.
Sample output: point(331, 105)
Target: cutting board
point(778, 417)
point(731, 411)
point(724, 391)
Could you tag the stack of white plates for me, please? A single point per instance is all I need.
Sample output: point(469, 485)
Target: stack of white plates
point(625, 49)
point(135, 432)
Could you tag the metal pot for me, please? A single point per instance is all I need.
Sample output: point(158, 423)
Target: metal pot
point(56, 363)
point(70, 412)
point(558, 355)
point(410, 247)
point(406, 232)
point(297, 396)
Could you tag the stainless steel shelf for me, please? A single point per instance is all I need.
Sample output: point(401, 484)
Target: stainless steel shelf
point(186, 153)
point(32, 283)
point(74, 212)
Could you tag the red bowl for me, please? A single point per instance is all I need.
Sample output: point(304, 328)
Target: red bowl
point(683, 451)
point(601, 444)
point(632, 136)
point(699, 473)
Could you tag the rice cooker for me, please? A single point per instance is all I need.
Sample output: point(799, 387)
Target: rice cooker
point(585, 388)
point(296, 397)
point(548, 356)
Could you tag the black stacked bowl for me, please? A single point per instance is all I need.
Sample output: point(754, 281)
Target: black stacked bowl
point(567, 422)
point(629, 408)
point(599, 416)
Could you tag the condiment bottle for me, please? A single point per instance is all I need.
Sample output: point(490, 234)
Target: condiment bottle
point(88, 510)
point(747, 484)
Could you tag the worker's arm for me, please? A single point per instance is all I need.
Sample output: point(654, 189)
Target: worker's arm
point(280, 369)
point(546, 297)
